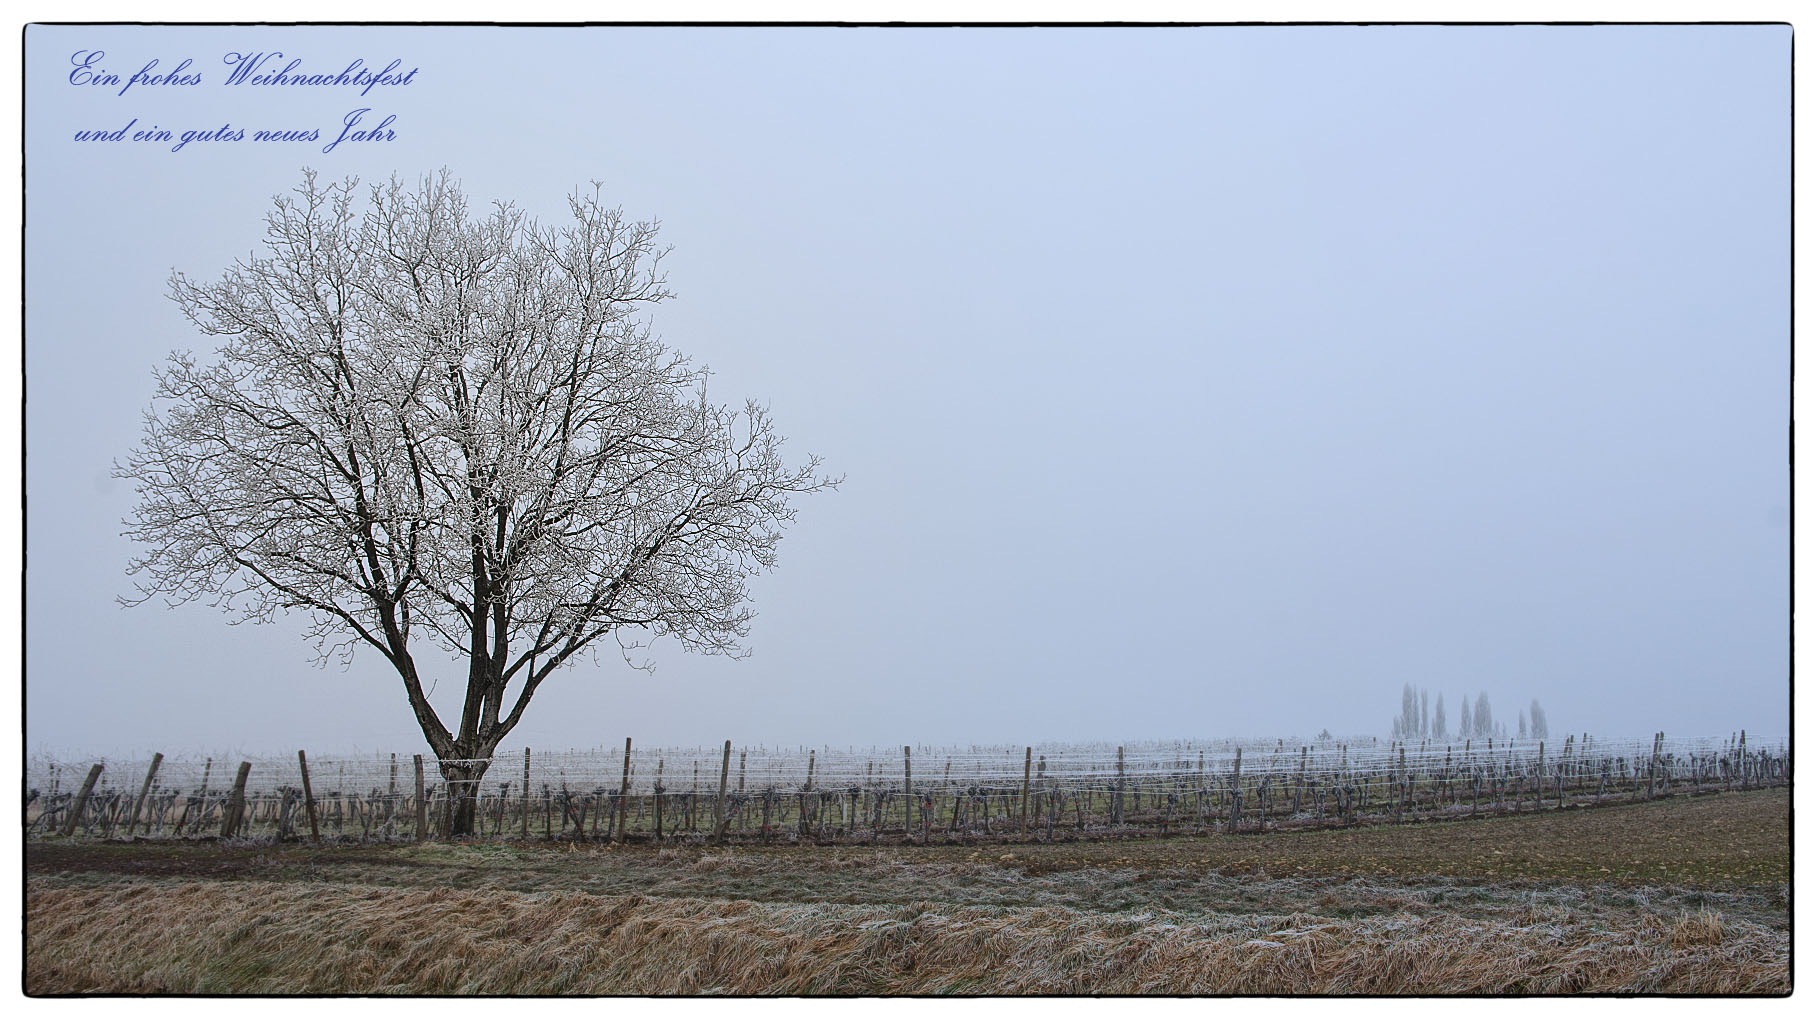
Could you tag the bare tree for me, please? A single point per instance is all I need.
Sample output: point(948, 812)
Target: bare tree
point(429, 425)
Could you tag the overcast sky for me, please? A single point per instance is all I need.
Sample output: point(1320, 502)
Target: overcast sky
point(1202, 382)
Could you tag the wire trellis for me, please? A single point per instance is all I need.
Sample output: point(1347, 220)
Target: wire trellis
point(863, 793)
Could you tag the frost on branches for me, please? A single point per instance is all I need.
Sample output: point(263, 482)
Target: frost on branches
point(424, 424)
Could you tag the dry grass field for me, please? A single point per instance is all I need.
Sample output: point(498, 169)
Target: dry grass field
point(1680, 895)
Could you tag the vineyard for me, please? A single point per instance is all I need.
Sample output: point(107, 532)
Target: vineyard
point(853, 795)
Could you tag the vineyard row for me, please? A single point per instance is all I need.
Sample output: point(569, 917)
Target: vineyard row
point(765, 795)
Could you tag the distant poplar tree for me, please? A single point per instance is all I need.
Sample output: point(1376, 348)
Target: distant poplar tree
point(1465, 725)
point(1406, 725)
point(1540, 729)
point(1438, 729)
point(1484, 716)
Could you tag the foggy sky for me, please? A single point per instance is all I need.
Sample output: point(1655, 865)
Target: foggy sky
point(1203, 382)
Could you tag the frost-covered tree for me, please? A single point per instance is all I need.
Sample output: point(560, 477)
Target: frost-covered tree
point(426, 425)
point(1465, 725)
point(1483, 718)
point(1439, 729)
point(1540, 729)
point(1413, 722)
point(1522, 724)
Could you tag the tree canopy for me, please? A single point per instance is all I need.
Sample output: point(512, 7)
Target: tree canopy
point(425, 424)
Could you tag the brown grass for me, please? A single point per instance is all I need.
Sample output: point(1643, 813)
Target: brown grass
point(1703, 928)
point(1677, 896)
point(253, 936)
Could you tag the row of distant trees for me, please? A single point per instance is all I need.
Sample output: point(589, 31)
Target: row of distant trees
point(1422, 719)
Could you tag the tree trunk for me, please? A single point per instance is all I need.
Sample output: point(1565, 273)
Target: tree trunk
point(463, 779)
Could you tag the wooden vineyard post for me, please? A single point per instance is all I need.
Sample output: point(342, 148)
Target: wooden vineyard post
point(802, 824)
point(945, 790)
point(1538, 796)
point(81, 801)
point(1655, 768)
point(1236, 792)
point(236, 801)
point(1049, 793)
point(1399, 788)
point(1116, 797)
point(907, 795)
point(422, 806)
point(958, 800)
point(624, 794)
point(1696, 767)
point(201, 797)
point(719, 802)
point(656, 802)
point(526, 793)
point(1299, 787)
point(1564, 765)
point(144, 790)
point(1585, 762)
point(1475, 785)
point(302, 763)
point(1651, 768)
point(1742, 759)
point(1027, 774)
